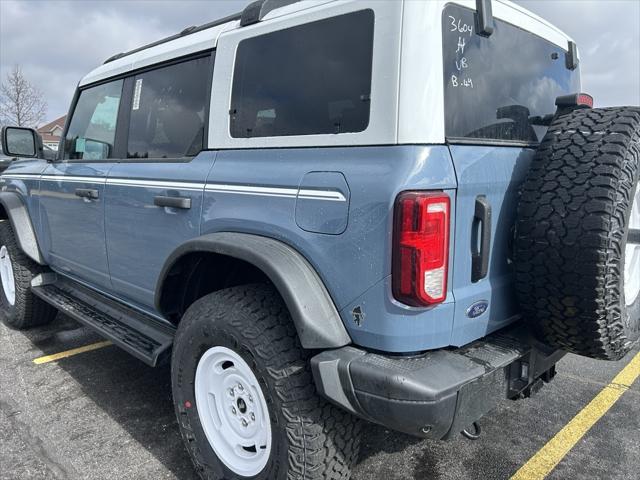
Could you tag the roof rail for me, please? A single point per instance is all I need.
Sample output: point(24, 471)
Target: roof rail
point(253, 13)
point(256, 11)
point(186, 31)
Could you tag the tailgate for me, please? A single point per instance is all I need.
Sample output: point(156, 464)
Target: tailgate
point(496, 90)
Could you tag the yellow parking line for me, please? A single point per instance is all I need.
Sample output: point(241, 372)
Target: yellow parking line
point(548, 457)
point(70, 353)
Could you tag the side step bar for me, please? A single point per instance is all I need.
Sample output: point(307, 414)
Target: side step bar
point(143, 336)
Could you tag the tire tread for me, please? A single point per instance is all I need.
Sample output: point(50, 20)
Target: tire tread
point(323, 439)
point(571, 229)
point(30, 311)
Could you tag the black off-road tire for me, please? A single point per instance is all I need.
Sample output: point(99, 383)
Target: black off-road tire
point(27, 310)
point(311, 439)
point(572, 229)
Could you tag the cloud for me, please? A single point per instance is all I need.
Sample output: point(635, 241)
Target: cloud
point(58, 42)
point(608, 38)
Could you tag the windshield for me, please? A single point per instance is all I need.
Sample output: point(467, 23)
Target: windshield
point(495, 85)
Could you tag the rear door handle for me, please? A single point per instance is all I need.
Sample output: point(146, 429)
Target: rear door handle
point(481, 221)
point(89, 193)
point(173, 202)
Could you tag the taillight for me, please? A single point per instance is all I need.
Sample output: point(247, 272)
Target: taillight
point(421, 248)
point(575, 100)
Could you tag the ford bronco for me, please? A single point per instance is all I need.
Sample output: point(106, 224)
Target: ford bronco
point(323, 212)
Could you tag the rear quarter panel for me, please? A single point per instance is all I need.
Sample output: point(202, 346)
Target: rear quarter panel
point(354, 265)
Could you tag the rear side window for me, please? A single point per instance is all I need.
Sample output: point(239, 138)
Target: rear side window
point(495, 86)
point(168, 111)
point(92, 129)
point(306, 80)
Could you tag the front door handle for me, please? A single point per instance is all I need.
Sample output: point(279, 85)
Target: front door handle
point(90, 193)
point(173, 202)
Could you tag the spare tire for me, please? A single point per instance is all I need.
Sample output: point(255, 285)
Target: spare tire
point(577, 252)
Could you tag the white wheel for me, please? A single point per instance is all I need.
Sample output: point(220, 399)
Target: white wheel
point(632, 256)
point(233, 411)
point(6, 274)
point(234, 351)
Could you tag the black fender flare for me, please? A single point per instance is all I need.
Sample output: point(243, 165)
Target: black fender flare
point(314, 314)
point(18, 215)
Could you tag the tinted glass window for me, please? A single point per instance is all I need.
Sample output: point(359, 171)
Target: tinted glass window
point(168, 111)
point(495, 85)
point(93, 125)
point(305, 80)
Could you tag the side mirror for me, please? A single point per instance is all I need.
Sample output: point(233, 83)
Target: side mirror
point(21, 142)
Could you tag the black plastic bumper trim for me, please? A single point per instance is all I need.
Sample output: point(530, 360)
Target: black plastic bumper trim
point(439, 393)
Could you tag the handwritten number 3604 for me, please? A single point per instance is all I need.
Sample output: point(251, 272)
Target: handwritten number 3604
point(459, 26)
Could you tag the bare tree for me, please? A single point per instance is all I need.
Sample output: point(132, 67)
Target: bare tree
point(21, 103)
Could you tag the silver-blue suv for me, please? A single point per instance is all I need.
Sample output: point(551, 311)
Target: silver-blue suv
point(327, 211)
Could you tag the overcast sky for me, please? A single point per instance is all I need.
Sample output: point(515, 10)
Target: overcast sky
point(58, 42)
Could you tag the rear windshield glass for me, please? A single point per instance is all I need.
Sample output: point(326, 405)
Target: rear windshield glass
point(495, 85)
point(306, 80)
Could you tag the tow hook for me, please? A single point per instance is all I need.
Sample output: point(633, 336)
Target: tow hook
point(473, 435)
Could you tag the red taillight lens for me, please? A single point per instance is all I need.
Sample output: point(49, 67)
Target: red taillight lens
point(575, 100)
point(584, 99)
point(421, 248)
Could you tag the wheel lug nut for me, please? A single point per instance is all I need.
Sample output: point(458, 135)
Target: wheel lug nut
point(233, 410)
point(244, 423)
point(250, 398)
point(253, 417)
point(231, 392)
point(240, 387)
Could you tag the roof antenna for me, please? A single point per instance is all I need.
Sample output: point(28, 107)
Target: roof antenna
point(484, 18)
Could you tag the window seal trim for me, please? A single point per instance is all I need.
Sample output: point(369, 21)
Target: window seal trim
point(122, 122)
point(155, 66)
point(207, 106)
point(495, 142)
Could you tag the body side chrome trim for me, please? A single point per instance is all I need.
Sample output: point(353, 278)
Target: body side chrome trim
point(124, 182)
point(330, 195)
point(283, 192)
point(23, 176)
point(73, 179)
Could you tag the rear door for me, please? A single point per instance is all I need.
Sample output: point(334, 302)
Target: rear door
point(154, 195)
point(72, 190)
point(495, 87)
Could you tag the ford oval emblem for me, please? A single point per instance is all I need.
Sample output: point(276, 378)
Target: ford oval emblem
point(477, 309)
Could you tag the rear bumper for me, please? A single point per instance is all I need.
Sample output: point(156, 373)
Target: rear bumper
point(439, 393)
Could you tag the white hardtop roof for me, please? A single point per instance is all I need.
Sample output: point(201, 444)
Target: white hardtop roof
point(195, 42)
point(188, 44)
point(207, 39)
point(560, 38)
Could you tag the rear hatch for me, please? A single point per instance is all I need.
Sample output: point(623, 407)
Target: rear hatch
point(494, 88)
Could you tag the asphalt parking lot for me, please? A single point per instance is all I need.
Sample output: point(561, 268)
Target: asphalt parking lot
point(102, 414)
